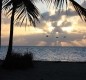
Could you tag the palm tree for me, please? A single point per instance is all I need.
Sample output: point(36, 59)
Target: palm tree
point(23, 9)
point(26, 8)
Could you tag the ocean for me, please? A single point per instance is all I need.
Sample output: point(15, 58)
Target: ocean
point(50, 53)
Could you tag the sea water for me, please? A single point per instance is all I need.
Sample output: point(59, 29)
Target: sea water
point(49, 53)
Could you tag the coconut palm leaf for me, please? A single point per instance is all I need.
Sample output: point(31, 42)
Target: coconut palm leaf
point(25, 9)
point(79, 9)
point(60, 3)
point(29, 11)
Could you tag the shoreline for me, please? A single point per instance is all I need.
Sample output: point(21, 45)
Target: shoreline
point(54, 61)
point(40, 61)
point(48, 70)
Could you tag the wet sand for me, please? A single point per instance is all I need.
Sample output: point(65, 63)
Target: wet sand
point(46, 70)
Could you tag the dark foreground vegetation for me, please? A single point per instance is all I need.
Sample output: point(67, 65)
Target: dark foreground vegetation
point(20, 67)
point(18, 61)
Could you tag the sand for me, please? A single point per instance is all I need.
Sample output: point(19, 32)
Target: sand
point(45, 70)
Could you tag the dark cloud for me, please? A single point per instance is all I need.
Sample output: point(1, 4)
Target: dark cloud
point(57, 16)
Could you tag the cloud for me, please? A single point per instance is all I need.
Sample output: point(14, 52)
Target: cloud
point(84, 4)
point(5, 19)
point(42, 40)
point(52, 25)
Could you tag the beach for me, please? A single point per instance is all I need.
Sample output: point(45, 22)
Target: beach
point(51, 43)
point(47, 70)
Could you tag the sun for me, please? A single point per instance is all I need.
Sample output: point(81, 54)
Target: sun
point(67, 29)
point(49, 26)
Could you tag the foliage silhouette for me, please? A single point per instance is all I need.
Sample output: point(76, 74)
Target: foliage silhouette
point(18, 61)
point(24, 9)
point(60, 5)
point(21, 10)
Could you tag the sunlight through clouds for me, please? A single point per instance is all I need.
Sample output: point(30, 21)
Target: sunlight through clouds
point(67, 29)
point(63, 29)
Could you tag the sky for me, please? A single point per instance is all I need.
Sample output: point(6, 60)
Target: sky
point(63, 29)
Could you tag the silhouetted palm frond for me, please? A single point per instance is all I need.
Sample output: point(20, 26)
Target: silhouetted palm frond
point(25, 9)
point(57, 3)
point(60, 3)
point(79, 9)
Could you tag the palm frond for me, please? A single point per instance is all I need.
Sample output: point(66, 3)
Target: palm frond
point(57, 3)
point(25, 9)
point(60, 3)
point(79, 9)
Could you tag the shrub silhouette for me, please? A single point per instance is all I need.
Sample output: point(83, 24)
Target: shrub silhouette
point(18, 61)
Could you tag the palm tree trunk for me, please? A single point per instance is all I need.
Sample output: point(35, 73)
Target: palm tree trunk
point(0, 20)
point(11, 34)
